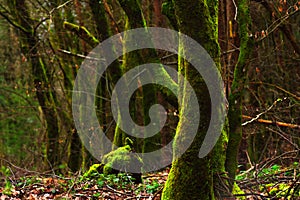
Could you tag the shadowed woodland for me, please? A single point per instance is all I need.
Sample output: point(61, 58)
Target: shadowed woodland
point(255, 45)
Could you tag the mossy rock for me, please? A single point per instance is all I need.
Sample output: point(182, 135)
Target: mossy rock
point(121, 158)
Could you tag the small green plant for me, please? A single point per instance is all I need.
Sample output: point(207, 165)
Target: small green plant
point(97, 195)
point(153, 187)
point(100, 183)
point(237, 190)
point(8, 187)
point(120, 181)
point(274, 169)
point(241, 176)
point(29, 180)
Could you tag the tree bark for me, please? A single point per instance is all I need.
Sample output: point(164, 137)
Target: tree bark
point(191, 177)
point(237, 89)
point(42, 78)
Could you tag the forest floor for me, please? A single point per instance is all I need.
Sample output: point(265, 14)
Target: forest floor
point(111, 187)
point(274, 182)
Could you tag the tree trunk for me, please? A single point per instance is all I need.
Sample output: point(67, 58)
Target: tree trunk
point(191, 177)
point(237, 89)
point(145, 96)
point(42, 79)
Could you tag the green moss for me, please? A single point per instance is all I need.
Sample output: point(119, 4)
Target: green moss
point(218, 159)
point(189, 179)
point(121, 158)
point(93, 171)
point(237, 190)
point(82, 32)
point(190, 176)
point(237, 88)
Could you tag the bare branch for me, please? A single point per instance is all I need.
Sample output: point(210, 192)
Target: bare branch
point(10, 20)
point(260, 114)
point(79, 55)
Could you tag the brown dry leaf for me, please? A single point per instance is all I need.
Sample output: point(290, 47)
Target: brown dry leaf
point(32, 197)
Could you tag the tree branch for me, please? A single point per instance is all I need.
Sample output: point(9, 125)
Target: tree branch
point(11, 21)
point(82, 32)
point(264, 121)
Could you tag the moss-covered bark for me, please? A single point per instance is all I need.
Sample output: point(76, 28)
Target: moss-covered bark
point(145, 96)
point(71, 145)
point(237, 88)
point(134, 20)
point(112, 74)
point(42, 74)
point(191, 177)
point(73, 152)
point(82, 32)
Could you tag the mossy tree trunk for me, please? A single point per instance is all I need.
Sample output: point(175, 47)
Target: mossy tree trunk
point(237, 88)
point(70, 142)
point(145, 96)
point(106, 82)
point(191, 177)
point(134, 19)
point(112, 74)
point(42, 77)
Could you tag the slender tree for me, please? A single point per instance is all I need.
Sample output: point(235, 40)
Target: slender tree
point(238, 88)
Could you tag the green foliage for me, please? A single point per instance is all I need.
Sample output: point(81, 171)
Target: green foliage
point(25, 181)
point(150, 186)
point(281, 190)
point(97, 195)
point(273, 170)
point(67, 187)
point(120, 180)
point(269, 171)
point(153, 187)
point(19, 123)
point(241, 176)
point(8, 187)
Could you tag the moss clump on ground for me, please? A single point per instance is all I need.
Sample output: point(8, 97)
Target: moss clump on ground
point(237, 190)
point(93, 171)
point(121, 159)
